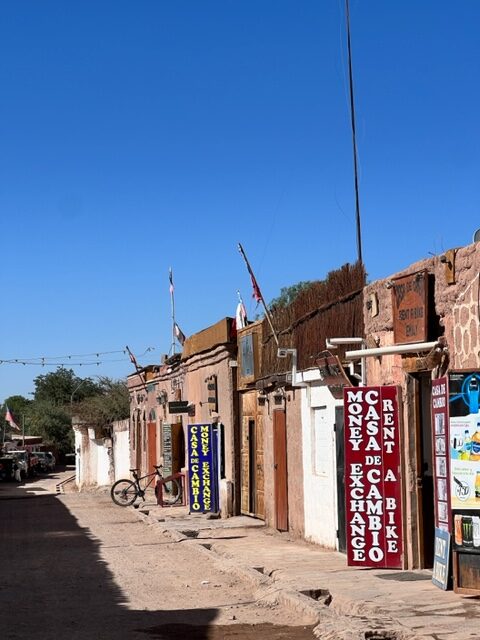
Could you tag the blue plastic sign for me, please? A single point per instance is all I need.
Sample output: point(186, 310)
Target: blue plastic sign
point(441, 560)
point(202, 468)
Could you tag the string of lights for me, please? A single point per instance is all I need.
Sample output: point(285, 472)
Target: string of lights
point(68, 360)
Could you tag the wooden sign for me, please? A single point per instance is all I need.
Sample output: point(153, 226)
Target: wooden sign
point(178, 406)
point(373, 484)
point(410, 305)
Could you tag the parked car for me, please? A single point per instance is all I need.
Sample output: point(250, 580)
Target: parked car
point(46, 461)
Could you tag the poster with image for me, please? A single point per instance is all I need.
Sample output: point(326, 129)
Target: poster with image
point(464, 440)
point(439, 408)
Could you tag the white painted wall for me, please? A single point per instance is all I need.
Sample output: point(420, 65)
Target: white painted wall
point(121, 452)
point(103, 463)
point(319, 464)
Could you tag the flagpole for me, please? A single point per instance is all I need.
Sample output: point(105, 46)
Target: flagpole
point(254, 280)
point(133, 360)
point(172, 305)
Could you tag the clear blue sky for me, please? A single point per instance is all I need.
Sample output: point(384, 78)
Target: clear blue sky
point(141, 135)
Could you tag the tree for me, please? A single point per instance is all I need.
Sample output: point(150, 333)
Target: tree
point(53, 424)
point(110, 404)
point(20, 407)
point(288, 295)
point(58, 387)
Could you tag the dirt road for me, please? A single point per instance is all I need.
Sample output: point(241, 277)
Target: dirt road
point(75, 566)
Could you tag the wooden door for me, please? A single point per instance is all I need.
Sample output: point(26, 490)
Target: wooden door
point(151, 445)
point(280, 469)
point(259, 469)
point(178, 447)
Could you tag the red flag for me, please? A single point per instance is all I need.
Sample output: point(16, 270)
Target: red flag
point(9, 418)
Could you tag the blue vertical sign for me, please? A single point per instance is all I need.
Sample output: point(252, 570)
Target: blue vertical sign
point(202, 468)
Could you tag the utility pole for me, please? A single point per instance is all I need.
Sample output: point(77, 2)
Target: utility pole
point(354, 134)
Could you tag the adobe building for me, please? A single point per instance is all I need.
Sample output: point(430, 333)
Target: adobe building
point(197, 386)
point(422, 333)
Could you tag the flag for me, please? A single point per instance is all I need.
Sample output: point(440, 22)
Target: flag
point(133, 360)
point(241, 315)
point(256, 289)
point(9, 418)
point(180, 336)
point(170, 278)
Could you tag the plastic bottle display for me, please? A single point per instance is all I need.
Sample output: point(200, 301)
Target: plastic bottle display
point(466, 450)
point(475, 445)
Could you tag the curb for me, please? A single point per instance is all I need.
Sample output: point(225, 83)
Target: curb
point(60, 487)
point(329, 623)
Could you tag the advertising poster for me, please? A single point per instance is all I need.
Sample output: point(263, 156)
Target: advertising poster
point(464, 447)
point(372, 477)
point(441, 459)
point(441, 560)
point(202, 468)
point(464, 392)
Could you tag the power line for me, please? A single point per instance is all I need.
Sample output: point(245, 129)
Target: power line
point(53, 361)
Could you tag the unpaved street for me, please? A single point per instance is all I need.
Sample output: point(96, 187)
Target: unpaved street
point(75, 566)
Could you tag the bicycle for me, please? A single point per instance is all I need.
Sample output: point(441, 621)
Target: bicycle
point(124, 492)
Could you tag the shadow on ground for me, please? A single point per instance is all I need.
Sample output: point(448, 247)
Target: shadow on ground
point(54, 585)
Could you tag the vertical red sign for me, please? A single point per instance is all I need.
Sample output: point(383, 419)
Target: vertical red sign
point(373, 488)
point(441, 458)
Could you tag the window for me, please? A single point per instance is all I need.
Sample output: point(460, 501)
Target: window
point(247, 360)
point(321, 441)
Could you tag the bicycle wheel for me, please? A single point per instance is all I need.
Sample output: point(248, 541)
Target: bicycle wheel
point(171, 491)
point(124, 493)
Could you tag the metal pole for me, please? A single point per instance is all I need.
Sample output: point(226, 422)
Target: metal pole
point(260, 295)
point(354, 134)
point(23, 430)
point(172, 304)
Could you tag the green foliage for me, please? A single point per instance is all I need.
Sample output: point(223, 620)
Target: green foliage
point(110, 404)
point(20, 408)
point(288, 295)
point(60, 387)
point(53, 424)
point(59, 395)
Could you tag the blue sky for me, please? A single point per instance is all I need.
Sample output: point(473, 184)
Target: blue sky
point(136, 136)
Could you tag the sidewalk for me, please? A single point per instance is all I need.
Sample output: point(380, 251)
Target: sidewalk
point(349, 602)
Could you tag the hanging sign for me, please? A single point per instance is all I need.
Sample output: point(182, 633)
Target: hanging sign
point(441, 461)
point(372, 477)
point(202, 468)
point(167, 449)
point(410, 304)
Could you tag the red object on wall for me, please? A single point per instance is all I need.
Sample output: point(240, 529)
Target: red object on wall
point(373, 487)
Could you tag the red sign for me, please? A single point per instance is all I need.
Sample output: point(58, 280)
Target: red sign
point(441, 459)
point(372, 477)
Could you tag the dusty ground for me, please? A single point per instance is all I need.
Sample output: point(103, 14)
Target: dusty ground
point(76, 566)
